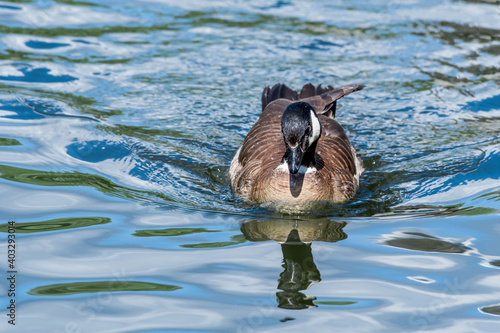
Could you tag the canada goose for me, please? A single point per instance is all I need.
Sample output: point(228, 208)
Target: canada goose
point(297, 153)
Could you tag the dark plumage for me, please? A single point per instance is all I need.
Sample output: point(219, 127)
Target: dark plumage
point(297, 153)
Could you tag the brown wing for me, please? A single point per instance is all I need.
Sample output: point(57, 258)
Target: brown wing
point(335, 159)
point(263, 148)
point(280, 90)
point(265, 134)
point(276, 92)
point(323, 100)
point(325, 103)
point(334, 147)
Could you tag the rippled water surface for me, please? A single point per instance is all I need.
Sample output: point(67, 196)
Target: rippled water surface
point(118, 122)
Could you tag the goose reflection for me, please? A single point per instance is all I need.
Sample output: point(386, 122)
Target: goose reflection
point(295, 237)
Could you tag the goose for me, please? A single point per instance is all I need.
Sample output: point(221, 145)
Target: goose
point(297, 153)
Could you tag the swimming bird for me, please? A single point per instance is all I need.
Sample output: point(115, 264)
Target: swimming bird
point(297, 153)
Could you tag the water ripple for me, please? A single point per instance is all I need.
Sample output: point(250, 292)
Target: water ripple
point(118, 122)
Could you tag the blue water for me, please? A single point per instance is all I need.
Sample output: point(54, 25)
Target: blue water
point(118, 122)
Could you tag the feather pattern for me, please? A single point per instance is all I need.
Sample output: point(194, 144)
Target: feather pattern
point(254, 170)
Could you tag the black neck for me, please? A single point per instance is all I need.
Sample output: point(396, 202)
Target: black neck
point(309, 159)
point(309, 156)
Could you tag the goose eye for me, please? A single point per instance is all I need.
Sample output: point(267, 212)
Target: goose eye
point(308, 131)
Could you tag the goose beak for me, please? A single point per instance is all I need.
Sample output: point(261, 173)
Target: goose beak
point(294, 159)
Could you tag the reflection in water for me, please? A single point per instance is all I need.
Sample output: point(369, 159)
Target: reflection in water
point(421, 242)
point(48, 178)
point(445, 210)
point(175, 87)
point(62, 289)
point(493, 309)
point(56, 224)
point(174, 232)
point(300, 273)
point(170, 232)
point(296, 237)
point(9, 142)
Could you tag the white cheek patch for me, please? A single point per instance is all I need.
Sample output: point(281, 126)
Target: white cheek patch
point(316, 127)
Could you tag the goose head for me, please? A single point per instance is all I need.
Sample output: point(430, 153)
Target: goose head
point(301, 129)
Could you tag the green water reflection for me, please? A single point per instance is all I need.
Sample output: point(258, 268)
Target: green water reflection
point(494, 195)
point(171, 232)
point(62, 289)
point(79, 3)
point(9, 142)
point(87, 32)
point(448, 210)
point(426, 243)
point(56, 224)
point(235, 240)
point(75, 178)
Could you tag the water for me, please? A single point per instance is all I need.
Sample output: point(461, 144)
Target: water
point(118, 122)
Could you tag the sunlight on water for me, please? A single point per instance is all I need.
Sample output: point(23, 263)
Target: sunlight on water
point(118, 122)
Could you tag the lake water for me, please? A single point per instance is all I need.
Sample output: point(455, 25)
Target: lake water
point(118, 122)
